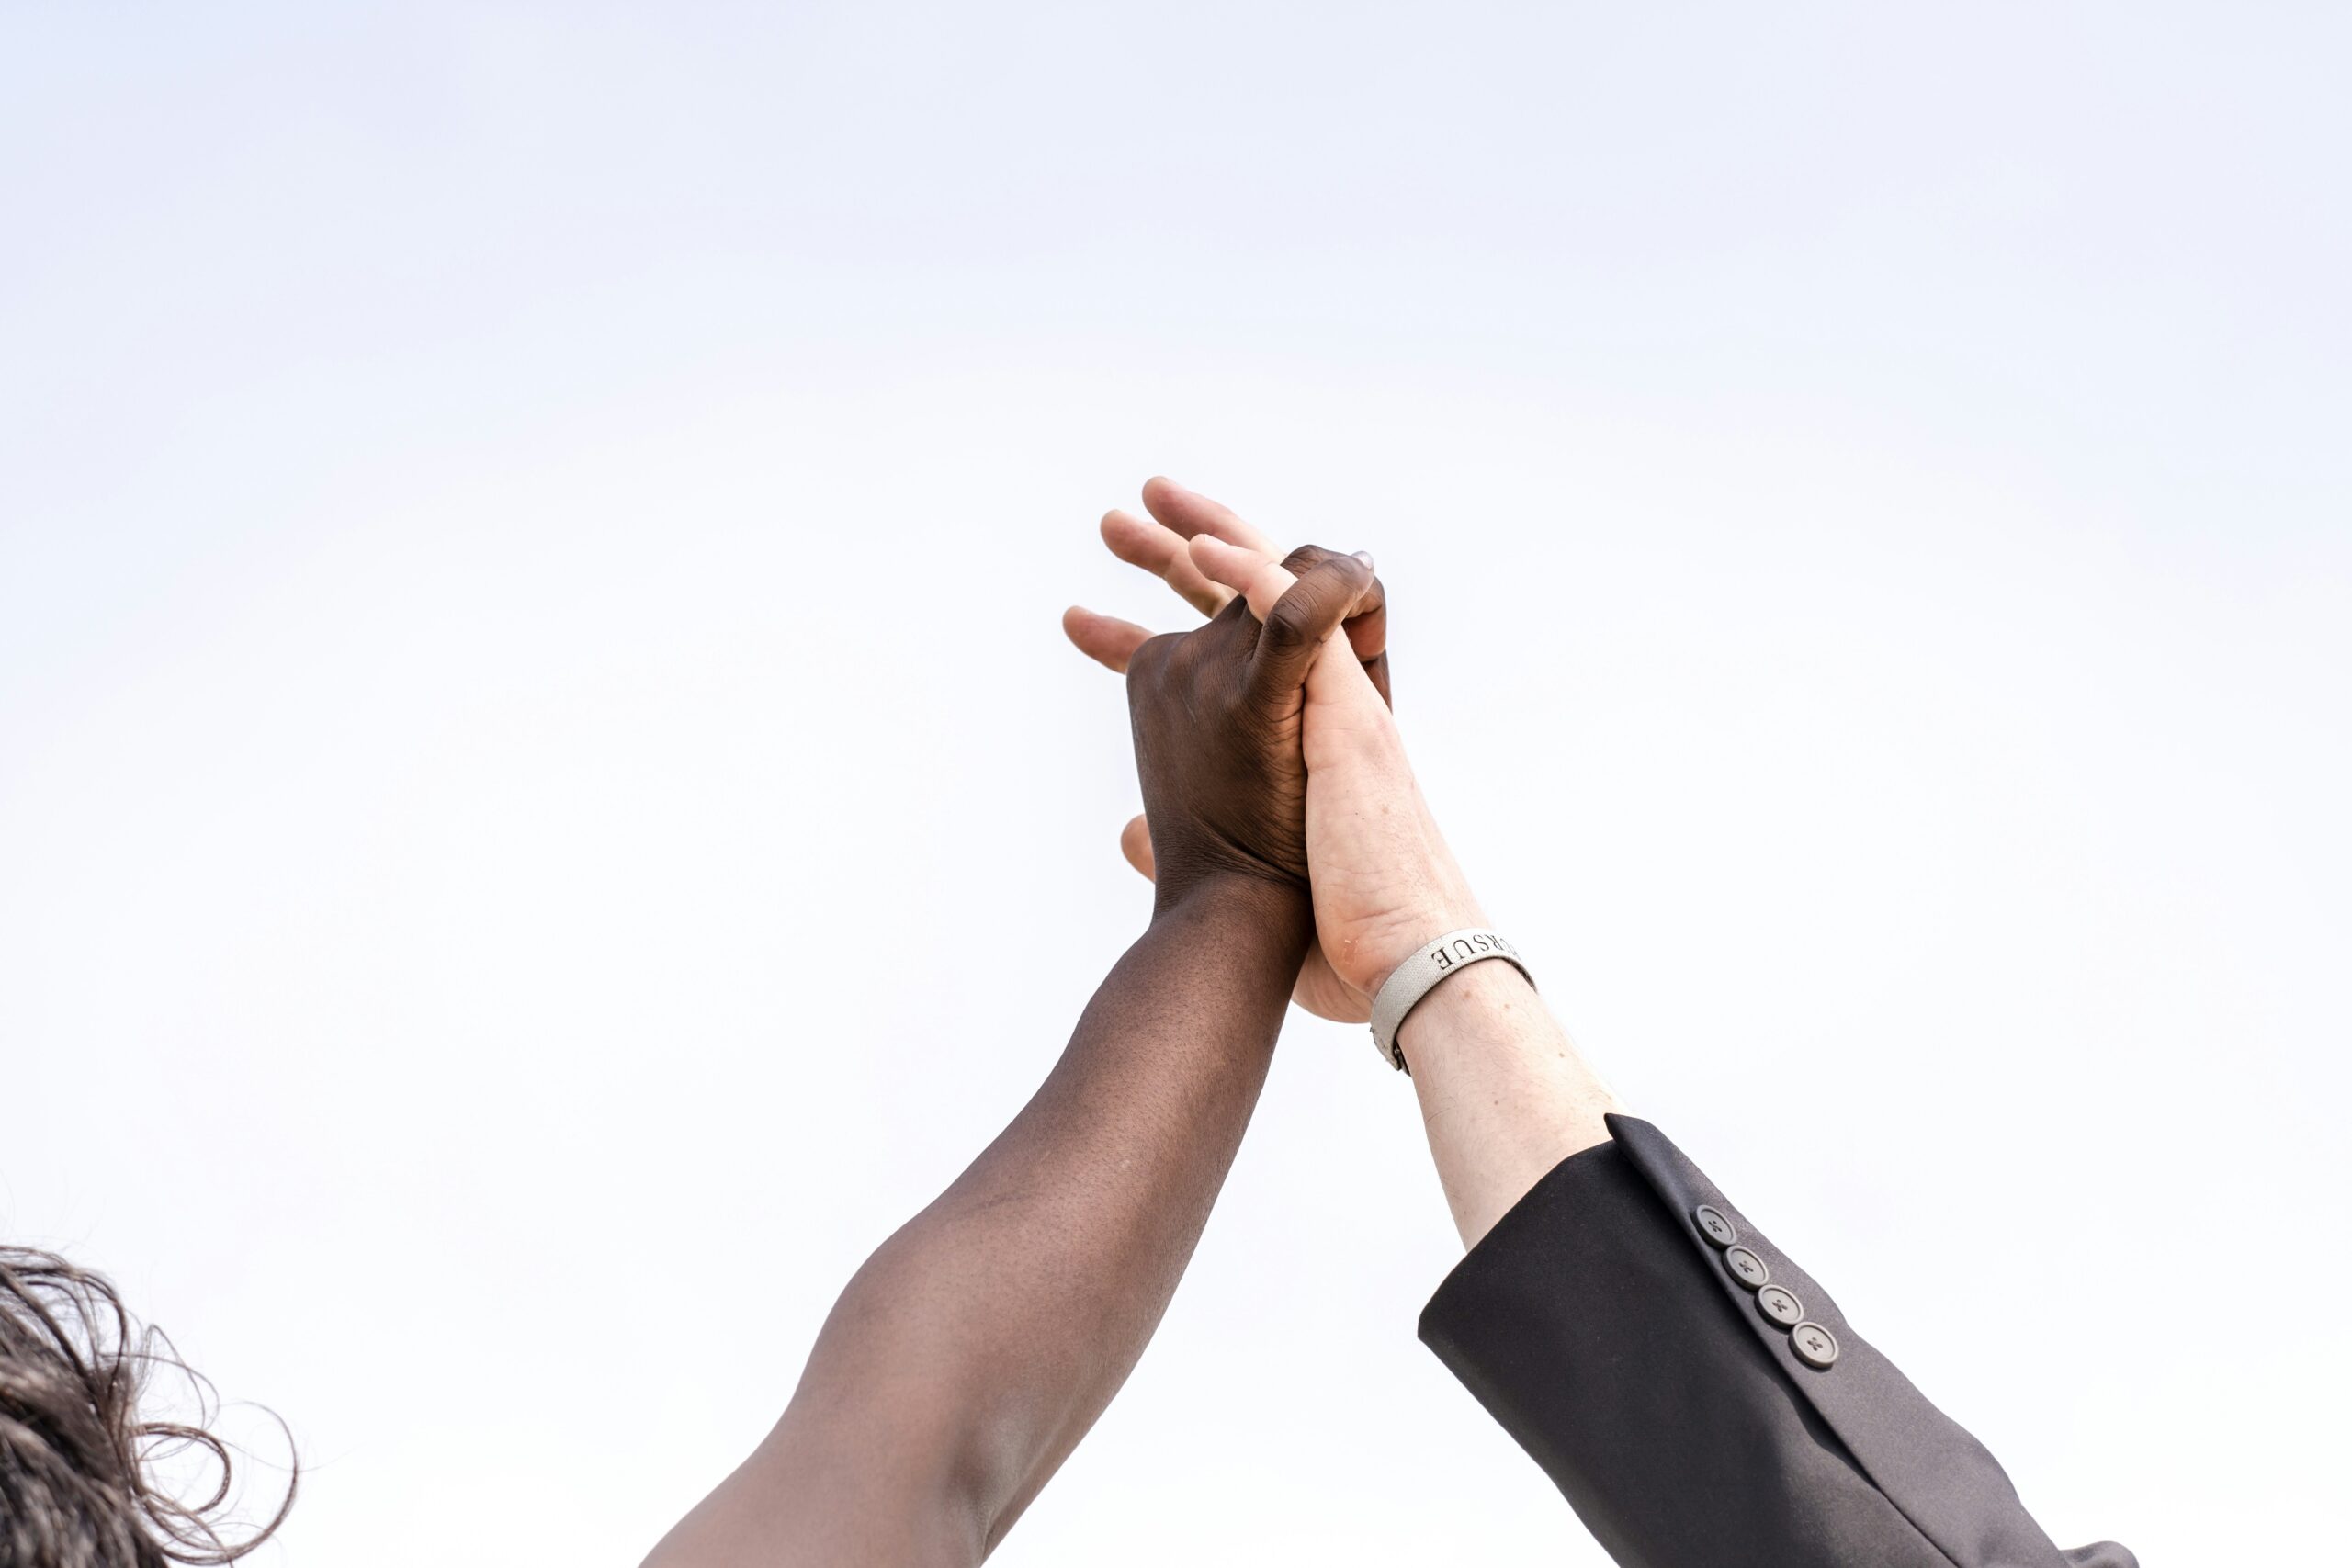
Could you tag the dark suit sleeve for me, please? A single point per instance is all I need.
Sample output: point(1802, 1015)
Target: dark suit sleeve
point(1601, 1326)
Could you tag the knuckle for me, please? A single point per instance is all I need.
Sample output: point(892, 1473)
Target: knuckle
point(1291, 620)
point(1315, 560)
point(1150, 657)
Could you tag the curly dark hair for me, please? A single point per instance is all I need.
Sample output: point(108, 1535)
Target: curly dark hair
point(78, 1487)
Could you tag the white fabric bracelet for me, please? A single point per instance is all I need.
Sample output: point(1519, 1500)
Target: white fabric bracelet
point(1419, 974)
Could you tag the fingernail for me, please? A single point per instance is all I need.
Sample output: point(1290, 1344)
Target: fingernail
point(1365, 556)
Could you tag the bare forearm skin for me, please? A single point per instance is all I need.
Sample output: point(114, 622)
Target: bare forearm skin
point(976, 1346)
point(1504, 1095)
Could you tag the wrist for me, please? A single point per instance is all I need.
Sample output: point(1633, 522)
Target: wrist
point(1382, 943)
point(1276, 906)
point(1476, 1002)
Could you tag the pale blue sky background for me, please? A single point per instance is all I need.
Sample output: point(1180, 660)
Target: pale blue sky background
point(532, 721)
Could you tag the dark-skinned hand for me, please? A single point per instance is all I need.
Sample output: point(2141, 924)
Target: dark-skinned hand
point(1217, 711)
point(1217, 718)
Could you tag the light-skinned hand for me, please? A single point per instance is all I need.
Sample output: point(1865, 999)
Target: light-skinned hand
point(1382, 877)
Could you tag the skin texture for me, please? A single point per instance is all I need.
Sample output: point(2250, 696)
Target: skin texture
point(1161, 543)
point(973, 1350)
point(1504, 1094)
point(1382, 876)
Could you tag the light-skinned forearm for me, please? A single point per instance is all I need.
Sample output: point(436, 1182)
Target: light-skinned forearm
point(1504, 1095)
point(976, 1346)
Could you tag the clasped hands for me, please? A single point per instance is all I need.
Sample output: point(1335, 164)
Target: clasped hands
point(1291, 852)
point(1269, 760)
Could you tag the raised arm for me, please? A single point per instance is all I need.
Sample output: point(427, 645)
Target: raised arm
point(1695, 1394)
point(972, 1351)
point(1504, 1094)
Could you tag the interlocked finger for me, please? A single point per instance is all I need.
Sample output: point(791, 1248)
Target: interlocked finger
point(1190, 514)
point(1301, 622)
point(1159, 550)
point(1263, 581)
point(1252, 572)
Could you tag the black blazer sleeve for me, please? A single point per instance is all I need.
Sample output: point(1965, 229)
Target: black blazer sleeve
point(1602, 1327)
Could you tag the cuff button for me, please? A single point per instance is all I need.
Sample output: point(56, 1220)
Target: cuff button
point(1780, 1305)
point(1747, 1267)
point(1815, 1345)
point(1713, 1226)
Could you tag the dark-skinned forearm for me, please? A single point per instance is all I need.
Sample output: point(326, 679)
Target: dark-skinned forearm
point(976, 1346)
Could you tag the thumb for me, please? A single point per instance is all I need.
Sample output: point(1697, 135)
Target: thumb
point(1310, 611)
point(1135, 843)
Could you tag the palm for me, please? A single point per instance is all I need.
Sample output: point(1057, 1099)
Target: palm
point(1384, 880)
